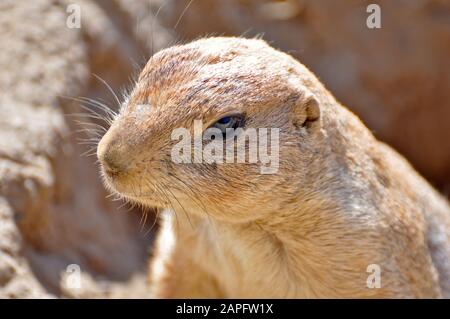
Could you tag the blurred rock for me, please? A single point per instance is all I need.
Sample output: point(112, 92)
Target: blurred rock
point(53, 210)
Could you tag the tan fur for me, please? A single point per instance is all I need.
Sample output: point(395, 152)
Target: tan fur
point(340, 201)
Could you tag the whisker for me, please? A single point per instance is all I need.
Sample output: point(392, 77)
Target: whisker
point(89, 153)
point(109, 88)
point(89, 115)
point(155, 18)
point(101, 106)
point(94, 103)
point(182, 207)
point(92, 113)
point(143, 219)
point(182, 14)
point(154, 222)
point(169, 203)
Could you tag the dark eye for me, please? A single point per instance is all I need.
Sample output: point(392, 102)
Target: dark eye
point(224, 120)
point(229, 122)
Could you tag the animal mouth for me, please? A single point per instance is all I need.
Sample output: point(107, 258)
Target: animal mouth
point(121, 184)
point(115, 180)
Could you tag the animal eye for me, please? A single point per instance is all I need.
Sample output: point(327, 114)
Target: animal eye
point(224, 120)
point(229, 122)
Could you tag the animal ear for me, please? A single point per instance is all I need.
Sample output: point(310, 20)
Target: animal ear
point(306, 111)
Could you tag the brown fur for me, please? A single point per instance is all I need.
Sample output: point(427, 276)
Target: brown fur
point(340, 201)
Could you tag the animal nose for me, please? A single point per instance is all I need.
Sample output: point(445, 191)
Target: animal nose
point(110, 156)
point(111, 162)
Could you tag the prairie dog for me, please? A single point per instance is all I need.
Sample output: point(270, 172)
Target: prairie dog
point(340, 203)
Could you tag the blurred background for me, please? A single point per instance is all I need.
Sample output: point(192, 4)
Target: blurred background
point(60, 233)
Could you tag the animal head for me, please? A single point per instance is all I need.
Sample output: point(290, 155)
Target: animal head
point(190, 102)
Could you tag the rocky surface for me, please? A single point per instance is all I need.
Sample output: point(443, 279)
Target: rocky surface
point(53, 210)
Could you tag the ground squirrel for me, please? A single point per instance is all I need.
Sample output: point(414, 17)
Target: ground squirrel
point(339, 201)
